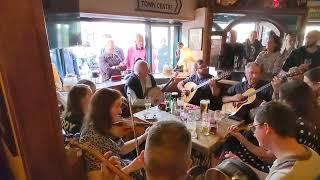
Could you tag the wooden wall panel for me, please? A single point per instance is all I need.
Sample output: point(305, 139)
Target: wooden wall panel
point(25, 64)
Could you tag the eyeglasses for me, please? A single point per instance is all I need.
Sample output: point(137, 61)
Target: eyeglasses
point(253, 127)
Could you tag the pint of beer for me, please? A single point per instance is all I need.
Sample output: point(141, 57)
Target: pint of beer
point(204, 105)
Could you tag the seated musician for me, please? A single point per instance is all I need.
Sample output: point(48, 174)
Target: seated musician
point(138, 84)
point(209, 91)
point(234, 93)
point(298, 96)
point(101, 132)
point(167, 153)
point(274, 127)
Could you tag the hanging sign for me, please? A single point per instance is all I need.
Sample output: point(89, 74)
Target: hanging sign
point(160, 6)
point(314, 13)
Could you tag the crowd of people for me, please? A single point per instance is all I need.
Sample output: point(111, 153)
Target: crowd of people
point(284, 141)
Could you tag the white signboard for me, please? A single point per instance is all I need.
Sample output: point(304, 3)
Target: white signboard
point(160, 6)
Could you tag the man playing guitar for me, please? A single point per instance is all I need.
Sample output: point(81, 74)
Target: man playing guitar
point(209, 91)
point(235, 93)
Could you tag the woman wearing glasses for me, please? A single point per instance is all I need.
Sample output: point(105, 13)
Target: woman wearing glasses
point(298, 96)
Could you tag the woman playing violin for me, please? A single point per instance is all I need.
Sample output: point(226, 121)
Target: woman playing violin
point(100, 132)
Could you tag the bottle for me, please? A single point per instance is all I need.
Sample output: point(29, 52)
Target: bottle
point(167, 97)
point(173, 103)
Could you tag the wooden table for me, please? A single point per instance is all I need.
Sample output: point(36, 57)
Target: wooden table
point(203, 143)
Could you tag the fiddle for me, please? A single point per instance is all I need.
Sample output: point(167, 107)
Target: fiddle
point(127, 123)
point(124, 128)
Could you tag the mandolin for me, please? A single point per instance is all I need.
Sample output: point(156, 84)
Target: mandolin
point(193, 87)
point(233, 108)
point(86, 147)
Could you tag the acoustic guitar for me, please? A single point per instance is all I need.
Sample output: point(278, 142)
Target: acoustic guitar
point(233, 108)
point(193, 87)
point(86, 147)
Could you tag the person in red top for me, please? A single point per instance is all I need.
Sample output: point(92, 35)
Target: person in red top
point(137, 52)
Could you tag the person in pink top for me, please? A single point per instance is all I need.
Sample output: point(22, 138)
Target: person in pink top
point(138, 52)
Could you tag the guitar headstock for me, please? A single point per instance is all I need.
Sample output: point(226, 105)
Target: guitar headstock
point(296, 72)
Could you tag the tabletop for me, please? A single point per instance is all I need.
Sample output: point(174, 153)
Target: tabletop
point(202, 143)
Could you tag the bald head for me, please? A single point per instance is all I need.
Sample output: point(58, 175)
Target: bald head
point(168, 150)
point(312, 38)
point(141, 68)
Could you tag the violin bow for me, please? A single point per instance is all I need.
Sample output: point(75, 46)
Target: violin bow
point(86, 147)
point(133, 125)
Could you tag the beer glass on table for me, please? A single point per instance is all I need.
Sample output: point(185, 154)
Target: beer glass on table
point(204, 106)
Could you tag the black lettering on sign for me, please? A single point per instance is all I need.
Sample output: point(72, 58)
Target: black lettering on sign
point(161, 6)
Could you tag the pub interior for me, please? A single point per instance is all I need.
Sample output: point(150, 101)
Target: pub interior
point(159, 89)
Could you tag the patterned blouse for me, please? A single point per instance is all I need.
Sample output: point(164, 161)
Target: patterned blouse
point(101, 143)
point(308, 134)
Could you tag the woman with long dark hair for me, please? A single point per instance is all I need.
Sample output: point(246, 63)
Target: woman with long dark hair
point(271, 60)
point(77, 105)
point(100, 131)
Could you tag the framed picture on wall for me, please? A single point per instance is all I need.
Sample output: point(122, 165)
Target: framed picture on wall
point(195, 38)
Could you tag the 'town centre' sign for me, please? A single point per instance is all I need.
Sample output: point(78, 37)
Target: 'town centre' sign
point(161, 6)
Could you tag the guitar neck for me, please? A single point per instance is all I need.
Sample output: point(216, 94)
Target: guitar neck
point(205, 83)
point(260, 89)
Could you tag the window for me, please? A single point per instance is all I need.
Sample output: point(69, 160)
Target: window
point(243, 31)
point(161, 44)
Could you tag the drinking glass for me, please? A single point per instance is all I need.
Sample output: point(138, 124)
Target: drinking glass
point(213, 123)
point(147, 103)
point(205, 123)
point(204, 105)
point(192, 125)
point(218, 116)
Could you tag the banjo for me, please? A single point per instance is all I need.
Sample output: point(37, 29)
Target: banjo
point(156, 93)
point(232, 169)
